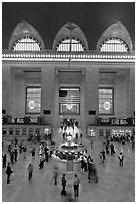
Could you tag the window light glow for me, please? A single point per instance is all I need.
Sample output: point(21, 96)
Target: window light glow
point(72, 44)
point(114, 45)
point(26, 44)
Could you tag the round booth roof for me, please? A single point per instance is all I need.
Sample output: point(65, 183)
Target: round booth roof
point(73, 30)
point(25, 29)
point(117, 30)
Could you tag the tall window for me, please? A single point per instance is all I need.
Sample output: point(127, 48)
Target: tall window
point(26, 43)
point(106, 101)
point(33, 99)
point(76, 45)
point(69, 101)
point(114, 45)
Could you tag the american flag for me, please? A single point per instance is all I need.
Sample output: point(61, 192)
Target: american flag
point(69, 95)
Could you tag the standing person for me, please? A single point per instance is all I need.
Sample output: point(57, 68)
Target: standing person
point(90, 169)
point(80, 138)
point(9, 148)
point(41, 165)
point(16, 141)
point(85, 163)
point(15, 155)
point(9, 171)
point(63, 192)
point(4, 160)
point(33, 153)
point(112, 149)
point(107, 149)
point(30, 171)
point(46, 153)
point(76, 183)
point(12, 157)
point(82, 164)
point(103, 155)
point(25, 150)
point(55, 175)
point(91, 144)
point(121, 159)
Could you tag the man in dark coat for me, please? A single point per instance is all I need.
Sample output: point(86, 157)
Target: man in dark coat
point(63, 185)
point(12, 157)
point(15, 155)
point(9, 171)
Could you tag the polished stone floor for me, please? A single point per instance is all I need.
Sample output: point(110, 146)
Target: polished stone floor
point(115, 184)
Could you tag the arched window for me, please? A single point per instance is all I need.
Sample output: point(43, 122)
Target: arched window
point(106, 100)
point(114, 45)
point(74, 44)
point(26, 43)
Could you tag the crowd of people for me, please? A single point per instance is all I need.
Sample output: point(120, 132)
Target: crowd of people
point(15, 149)
point(87, 163)
point(70, 127)
point(123, 138)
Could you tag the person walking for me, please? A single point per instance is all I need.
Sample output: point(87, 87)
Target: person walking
point(12, 157)
point(76, 183)
point(90, 169)
point(121, 159)
point(25, 151)
point(82, 164)
point(41, 165)
point(103, 155)
point(30, 171)
point(63, 192)
point(9, 171)
point(46, 150)
point(55, 175)
point(15, 155)
point(33, 153)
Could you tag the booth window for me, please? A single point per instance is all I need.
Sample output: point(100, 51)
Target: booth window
point(30, 131)
point(4, 131)
point(17, 131)
point(37, 131)
point(23, 131)
point(33, 99)
point(114, 45)
point(11, 131)
point(101, 132)
point(106, 98)
point(107, 133)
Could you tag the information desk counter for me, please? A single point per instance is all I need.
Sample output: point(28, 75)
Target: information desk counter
point(67, 165)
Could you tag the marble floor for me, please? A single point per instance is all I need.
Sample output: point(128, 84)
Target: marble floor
point(115, 184)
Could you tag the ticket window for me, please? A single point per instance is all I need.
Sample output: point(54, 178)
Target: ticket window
point(30, 131)
point(11, 131)
point(114, 133)
point(17, 131)
point(101, 132)
point(121, 132)
point(4, 131)
point(107, 133)
point(24, 131)
point(37, 131)
point(128, 132)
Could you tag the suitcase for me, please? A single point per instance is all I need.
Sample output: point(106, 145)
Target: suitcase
point(63, 193)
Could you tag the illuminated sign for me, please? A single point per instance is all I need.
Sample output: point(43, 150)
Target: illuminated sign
point(115, 122)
